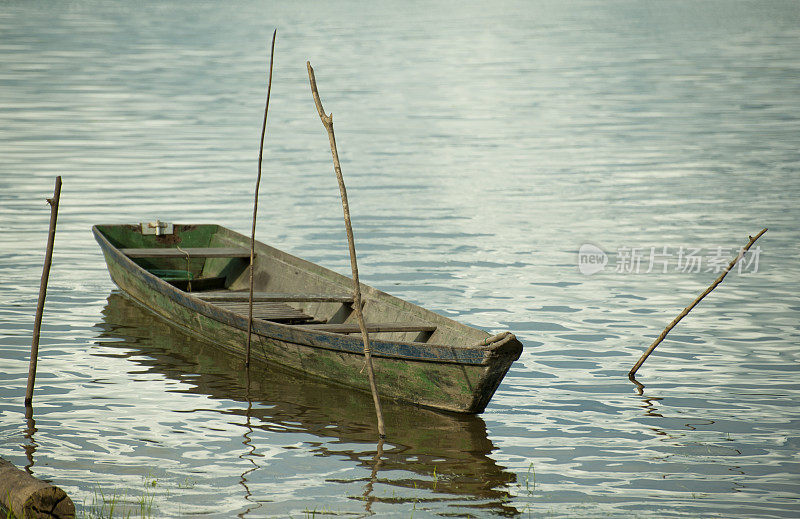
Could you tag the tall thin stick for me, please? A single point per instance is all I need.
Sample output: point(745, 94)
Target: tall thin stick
point(255, 204)
point(694, 303)
point(37, 326)
point(327, 121)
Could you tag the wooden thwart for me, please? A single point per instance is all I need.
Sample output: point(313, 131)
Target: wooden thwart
point(269, 311)
point(214, 297)
point(192, 252)
point(371, 327)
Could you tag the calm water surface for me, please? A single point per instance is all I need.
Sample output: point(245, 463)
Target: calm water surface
point(483, 146)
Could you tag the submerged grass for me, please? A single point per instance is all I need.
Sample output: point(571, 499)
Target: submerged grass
point(530, 483)
point(107, 504)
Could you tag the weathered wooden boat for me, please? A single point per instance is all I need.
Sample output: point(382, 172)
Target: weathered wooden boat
point(197, 277)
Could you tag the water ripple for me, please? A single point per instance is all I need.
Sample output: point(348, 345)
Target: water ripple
point(482, 148)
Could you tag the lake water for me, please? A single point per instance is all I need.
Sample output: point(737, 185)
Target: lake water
point(483, 146)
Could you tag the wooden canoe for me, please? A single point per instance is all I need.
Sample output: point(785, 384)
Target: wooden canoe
point(196, 277)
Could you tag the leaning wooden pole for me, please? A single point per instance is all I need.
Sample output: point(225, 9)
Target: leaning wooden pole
point(37, 325)
point(327, 121)
point(255, 205)
point(688, 309)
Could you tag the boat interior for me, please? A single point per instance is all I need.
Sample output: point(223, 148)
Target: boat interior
point(211, 262)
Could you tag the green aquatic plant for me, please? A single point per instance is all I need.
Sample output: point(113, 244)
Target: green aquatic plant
point(8, 513)
point(529, 480)
point(311, 514)
point(187, 484)
point(114, 505)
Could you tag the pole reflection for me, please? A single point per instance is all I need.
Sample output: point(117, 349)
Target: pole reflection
point(250, 454)
point(30, 446)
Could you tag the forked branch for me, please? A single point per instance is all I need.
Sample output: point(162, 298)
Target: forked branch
point(327, 121)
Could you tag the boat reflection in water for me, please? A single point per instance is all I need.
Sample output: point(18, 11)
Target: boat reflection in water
point(446, 454)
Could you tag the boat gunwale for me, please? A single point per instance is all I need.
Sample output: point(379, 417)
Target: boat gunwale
point(477, 354)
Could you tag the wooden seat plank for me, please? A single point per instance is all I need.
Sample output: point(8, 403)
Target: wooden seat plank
point(193, 252)
point(371, 327)
point(267, 311)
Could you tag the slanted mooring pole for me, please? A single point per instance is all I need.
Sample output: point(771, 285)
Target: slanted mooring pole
point(688, 309)
point(37, 325)
point(327, 121)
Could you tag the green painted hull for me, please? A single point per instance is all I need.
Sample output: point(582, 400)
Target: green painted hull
point(457, 369)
